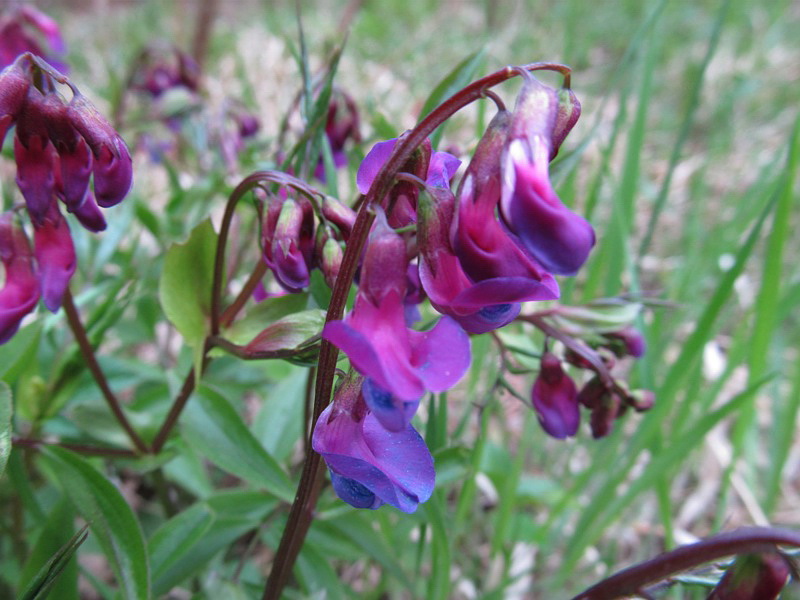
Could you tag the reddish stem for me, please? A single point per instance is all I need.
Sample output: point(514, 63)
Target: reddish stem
point(748, 540)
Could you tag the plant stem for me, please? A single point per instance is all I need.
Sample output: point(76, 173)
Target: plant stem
point(76, 325)
point(308, 489)
point(79, 448)
point(174, 412)
point(747, 540)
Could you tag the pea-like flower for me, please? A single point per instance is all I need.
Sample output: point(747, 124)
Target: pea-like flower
point(370, 465)
point(559, 239)
point(403, 362)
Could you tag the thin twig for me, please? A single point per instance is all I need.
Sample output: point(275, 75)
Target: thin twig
point(76, 325)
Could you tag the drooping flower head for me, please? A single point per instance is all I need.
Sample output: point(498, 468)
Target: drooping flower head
point(370, 465)
point(288, 241)
point(551, 233)
point(64, 151)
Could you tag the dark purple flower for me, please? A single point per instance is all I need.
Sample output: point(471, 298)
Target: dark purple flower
point(556, 237)
point(555, 399)
point(20, 292)
point(55, 257)
point(112, 166)
point(392, 412)
point(370, 465)
point(14, 84)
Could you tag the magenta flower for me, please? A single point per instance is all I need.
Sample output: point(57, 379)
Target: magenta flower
point(556, 237)
point(23, 30)
point(555, 399)
point(20, 292)
point(55, 257)
point(399, 360)
point(403, 362)
point(369, 465)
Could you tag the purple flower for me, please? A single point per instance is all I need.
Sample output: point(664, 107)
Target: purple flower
point(556, 237)
point(401, 361)
point(631, 340)
point(374, 335)
point(555, 399)
point(20, 32)
point(20, 292)
point(369, 465)
point(112, 166)
point(477, 307)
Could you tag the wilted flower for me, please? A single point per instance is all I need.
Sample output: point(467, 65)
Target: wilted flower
point(555, 399)
point(369, 464)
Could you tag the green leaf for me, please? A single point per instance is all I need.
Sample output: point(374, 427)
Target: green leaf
point(279, 423)
point(290, 332)
point(109, 516)
point(265, 312)
point(40, 585)
point(458, 78)
point(217, 431)
point(19, 352)
point(173, 541)
point(185, 285)
point(5, 425)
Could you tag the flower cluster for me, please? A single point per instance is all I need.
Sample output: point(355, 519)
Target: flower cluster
point(557, 400)
point(477, 254)
point(59, 147)
point(23, 30)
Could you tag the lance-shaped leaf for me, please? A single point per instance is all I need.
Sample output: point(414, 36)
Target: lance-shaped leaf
point(110, 519)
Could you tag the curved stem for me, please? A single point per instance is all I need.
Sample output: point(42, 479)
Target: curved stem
point(76, 325)
point(308, 489)
point(747, 540)
point(174, 412)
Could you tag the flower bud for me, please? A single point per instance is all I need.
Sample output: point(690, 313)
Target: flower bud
point(385, 262)
point(604, 414)
point(331, 260)
point(567, 113)
point(554, 398)
point(633, 343)
point(20, 292)
point(753, 577)
point(289, 263)
point(641, 400)
point(592, 393)
point(339, 214)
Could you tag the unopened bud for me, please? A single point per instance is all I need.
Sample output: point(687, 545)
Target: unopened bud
point(592, 393)
point(554, 397)
point(753, 577)
point(604, 414)
point(567, 113)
